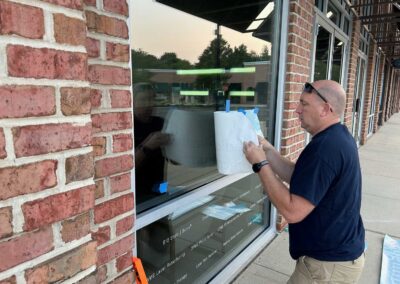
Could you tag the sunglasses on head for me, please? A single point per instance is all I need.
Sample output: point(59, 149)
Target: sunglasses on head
point(308, 88)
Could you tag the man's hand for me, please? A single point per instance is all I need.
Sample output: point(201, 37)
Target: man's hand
point(265, 144)
point(254, 154)
point(156, 140)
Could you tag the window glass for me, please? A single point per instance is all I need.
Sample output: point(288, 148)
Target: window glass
point(194, 243)
point(322, 54)
point(188, 58)
point(333, 14)
point(346, 26)
point(337, 60)
point(319, 4)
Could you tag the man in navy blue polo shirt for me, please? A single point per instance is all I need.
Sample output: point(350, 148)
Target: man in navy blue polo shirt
point(323, 203)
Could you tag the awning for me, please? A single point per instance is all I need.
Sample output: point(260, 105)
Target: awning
point(382, 19)
point(234, 14)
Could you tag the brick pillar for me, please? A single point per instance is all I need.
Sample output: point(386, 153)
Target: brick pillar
point(368, 90)
point(110, 77)
point(351, 79)
point(46, 163)
point(300, 34)
point(379, 90)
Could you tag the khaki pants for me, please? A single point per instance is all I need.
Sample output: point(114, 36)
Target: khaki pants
point(312, 271)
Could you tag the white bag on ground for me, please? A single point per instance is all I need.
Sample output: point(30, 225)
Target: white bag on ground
point(231, 130)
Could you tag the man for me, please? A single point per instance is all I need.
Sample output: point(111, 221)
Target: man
point(322, 206)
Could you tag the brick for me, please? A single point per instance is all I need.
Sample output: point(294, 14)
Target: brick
point(29, 178)
point(121, 99)
point(57, 207)
point(25, 247)
point(95, 98)
point(116, 6)
point(115, 165)
point(10, 280)
point(3, 152)
point(99, 191)
point(124, 225)
point(76, 228)
point(69, 30)
point(73, 4)
point(47, 63)
point(6, 227)
point(102, 235)
point(120, 183)
point(111, 121)
point(26, 101)
point(92, 47)
point(90, 2)
point(75, 101)
point(124, 261)
point(106, 25)
point(122, 143)
point(41, 139)
point(109, 75)
point(112, 208)
point(116, 249)
point(22, 20)
point(117, 52)
point(79, 167)
point(99, 146)
point(128, 277)
point(64, 266)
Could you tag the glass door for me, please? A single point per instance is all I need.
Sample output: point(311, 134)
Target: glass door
point(371, 116)
point(358, 98)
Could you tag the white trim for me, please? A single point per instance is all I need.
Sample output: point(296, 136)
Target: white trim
point(164, 209)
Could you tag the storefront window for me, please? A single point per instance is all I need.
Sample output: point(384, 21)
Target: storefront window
point(194, 243)
point(188, 58)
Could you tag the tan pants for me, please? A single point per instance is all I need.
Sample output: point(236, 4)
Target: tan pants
point(312, 271)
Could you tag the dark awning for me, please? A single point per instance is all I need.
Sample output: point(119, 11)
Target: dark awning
point(234, 14)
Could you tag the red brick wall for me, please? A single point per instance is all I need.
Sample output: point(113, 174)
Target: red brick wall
point(110, 77)
point(351, 78)
point(65, 142)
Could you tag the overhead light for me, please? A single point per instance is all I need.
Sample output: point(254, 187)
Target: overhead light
point(340, 43)
point(329, 14)
point(261, 17)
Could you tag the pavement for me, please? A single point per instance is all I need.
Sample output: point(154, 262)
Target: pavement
point(380, 210)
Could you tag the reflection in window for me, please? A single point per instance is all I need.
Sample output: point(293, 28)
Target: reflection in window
point(333, 14)
point(322, 54)
point(337, 60)
point(187, 60)
point(198, 240)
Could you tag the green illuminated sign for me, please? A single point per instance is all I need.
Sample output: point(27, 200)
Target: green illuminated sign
point(193, 93)
point(241, 93)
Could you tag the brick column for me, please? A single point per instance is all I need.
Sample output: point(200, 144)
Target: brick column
point(368, 90)
point(379, 90)
point(351, 79)
point(110, 77)
point(46, 163)
point(300, 35)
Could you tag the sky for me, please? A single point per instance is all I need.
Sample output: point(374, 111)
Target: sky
point(158, 28)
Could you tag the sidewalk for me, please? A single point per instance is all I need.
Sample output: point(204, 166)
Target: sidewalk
point(380, 163)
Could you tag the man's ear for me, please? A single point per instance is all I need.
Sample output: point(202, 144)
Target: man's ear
point(326, 110)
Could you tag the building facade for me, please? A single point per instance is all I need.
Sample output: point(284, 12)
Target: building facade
point(107, 137)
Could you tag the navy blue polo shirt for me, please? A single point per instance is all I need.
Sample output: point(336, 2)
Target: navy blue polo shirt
point(328, 175)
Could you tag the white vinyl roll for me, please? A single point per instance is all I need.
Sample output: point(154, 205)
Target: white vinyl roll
point(231, 130)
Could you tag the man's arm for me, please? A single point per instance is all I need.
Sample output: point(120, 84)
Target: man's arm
point(280, 165)
point(293, 207)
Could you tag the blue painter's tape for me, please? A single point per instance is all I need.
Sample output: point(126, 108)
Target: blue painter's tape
point(227, 105)
point(161, 187)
